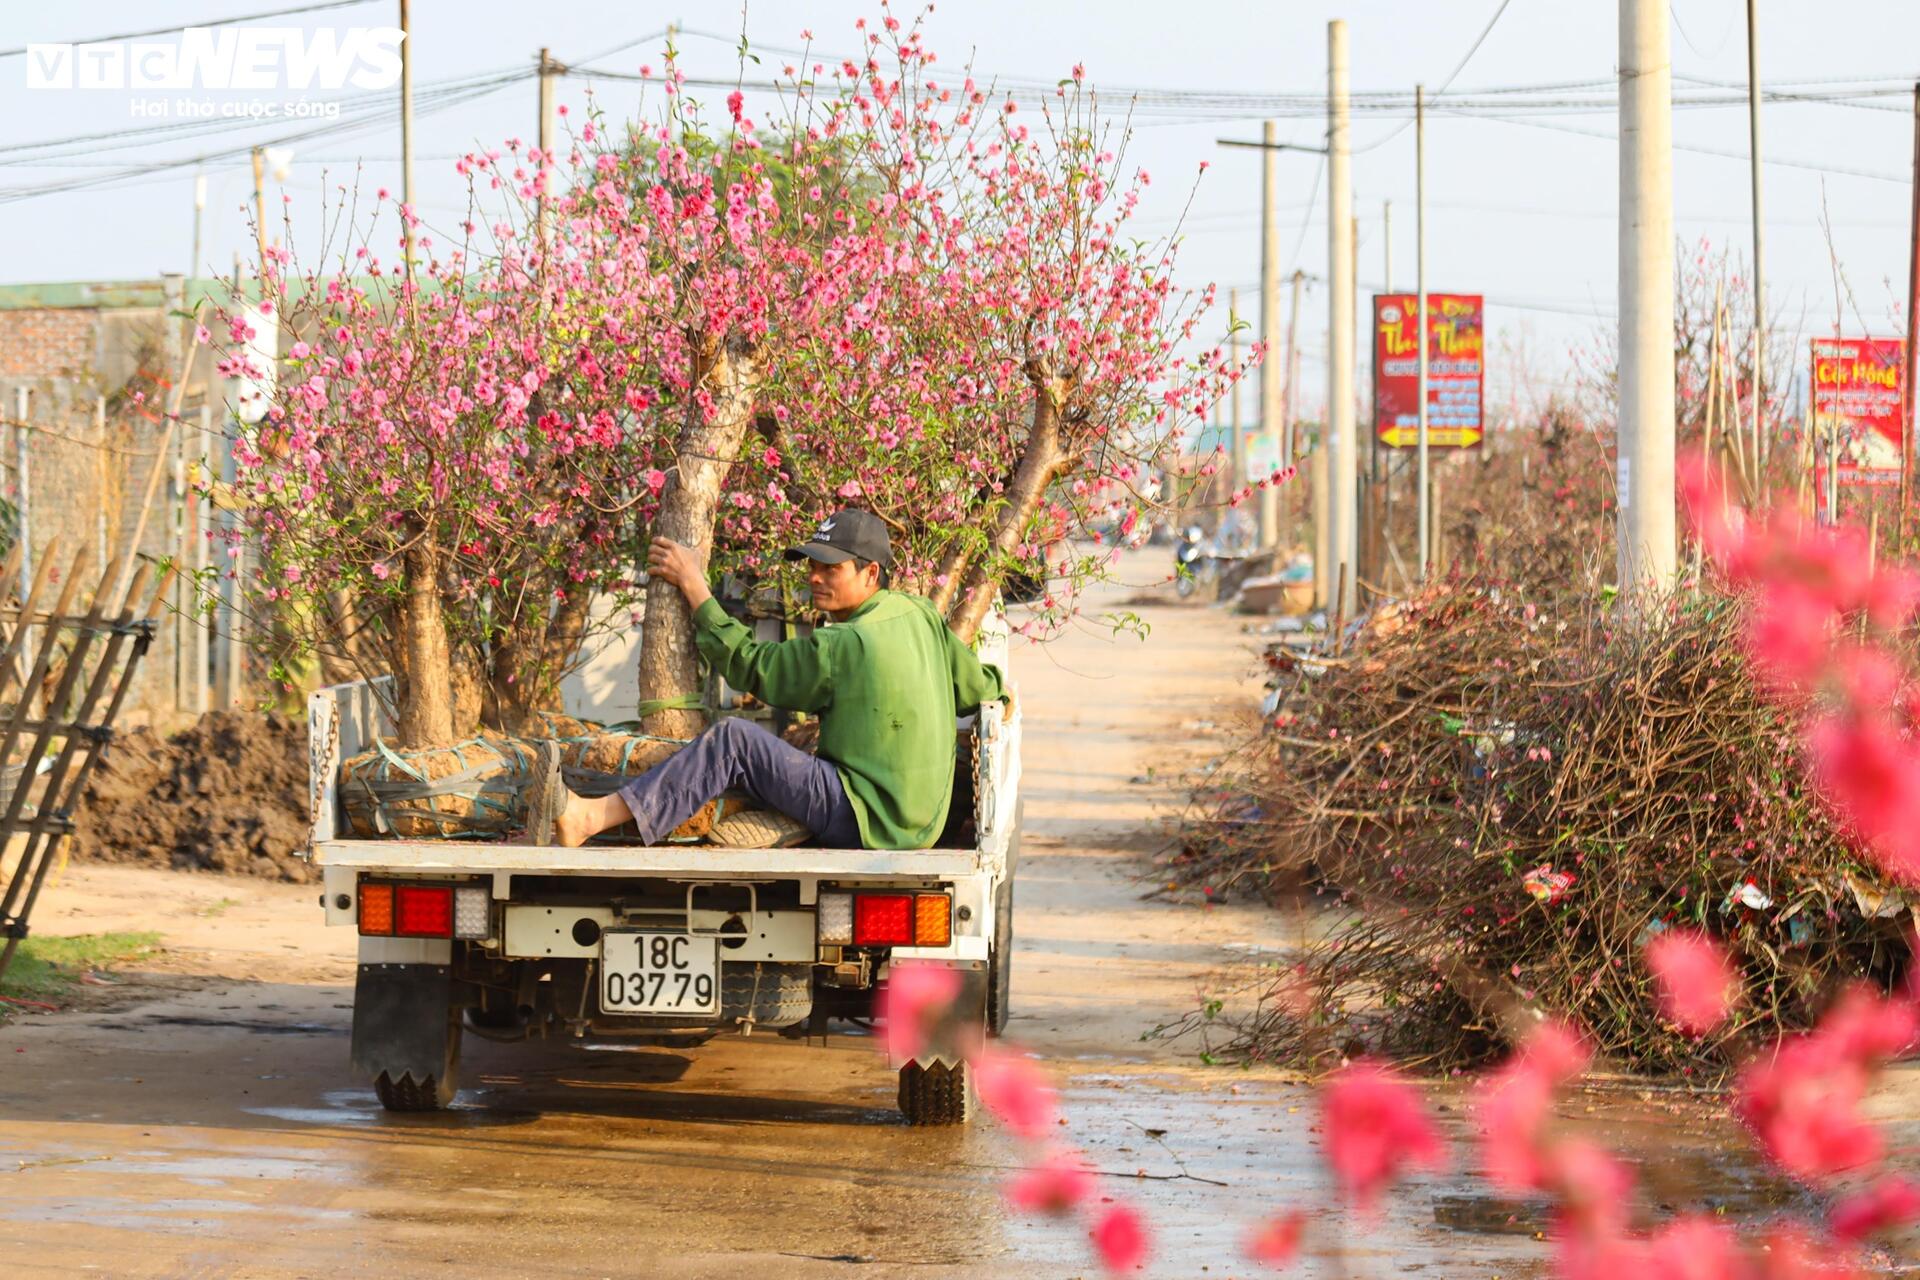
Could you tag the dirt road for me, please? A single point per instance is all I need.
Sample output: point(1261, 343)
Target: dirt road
point(202, 1122)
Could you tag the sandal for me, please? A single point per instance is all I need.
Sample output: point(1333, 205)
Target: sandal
point(546, 794)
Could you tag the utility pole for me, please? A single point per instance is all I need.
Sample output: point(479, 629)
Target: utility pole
point(1422, 479)
point(202, 534)
point(406, 130)
point(199, 212)
point(1239, 452)
point(1761, 445)
point(22, 456)
point(1644, 489)
point(1386, 241)
point(549, 130)
point(1319, 467)
point(1343, 479)
point(1289, 415)
point(1289, 443)
point(1373, 437)
point(1270, 425)
point(672, 108)
point(260, 209)
point(1913, 330)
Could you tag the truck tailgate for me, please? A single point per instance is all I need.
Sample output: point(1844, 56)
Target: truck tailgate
point(709, 862)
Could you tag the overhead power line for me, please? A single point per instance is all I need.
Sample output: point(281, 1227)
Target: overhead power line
point(1742, 156)
point(1446, 84)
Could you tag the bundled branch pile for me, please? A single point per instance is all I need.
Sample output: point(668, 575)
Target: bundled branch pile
point(1509, 794)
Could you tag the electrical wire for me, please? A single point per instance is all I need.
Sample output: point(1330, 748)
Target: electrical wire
point(1448, 83)
point(325, 129)
point(1742, 156)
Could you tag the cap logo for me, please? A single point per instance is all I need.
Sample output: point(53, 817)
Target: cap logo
point(825, 528)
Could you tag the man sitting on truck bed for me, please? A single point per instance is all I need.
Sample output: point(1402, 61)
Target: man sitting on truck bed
point(886, 680)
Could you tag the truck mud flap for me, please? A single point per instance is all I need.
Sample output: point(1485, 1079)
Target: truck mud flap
point(961, 1030)
point(402, 1020)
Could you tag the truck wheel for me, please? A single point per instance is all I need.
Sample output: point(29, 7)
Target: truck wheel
point(1000, 959)
point(408, 1094)
point(936, 1095)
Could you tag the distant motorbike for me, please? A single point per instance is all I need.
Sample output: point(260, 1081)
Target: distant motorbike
point(1198, 563)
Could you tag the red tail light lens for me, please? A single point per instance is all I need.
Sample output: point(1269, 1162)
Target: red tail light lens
point(883, 920)
point(422, 911)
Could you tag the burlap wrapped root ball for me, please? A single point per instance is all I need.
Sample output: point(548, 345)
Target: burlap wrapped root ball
point(470, 788)
point(558, 725)
point(602, 762)
point(624, 755)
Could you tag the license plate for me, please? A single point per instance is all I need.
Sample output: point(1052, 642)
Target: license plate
point(659, 973)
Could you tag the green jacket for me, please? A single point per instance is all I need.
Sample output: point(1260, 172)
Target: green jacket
point(886, 684)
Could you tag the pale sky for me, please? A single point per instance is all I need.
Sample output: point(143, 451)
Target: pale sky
point(1522, 212)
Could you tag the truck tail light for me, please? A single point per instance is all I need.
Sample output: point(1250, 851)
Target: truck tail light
point(423, 911)
point(834, 916)
point(932, 920)
point(887, 919)
point(376, 909)
point(883, 920)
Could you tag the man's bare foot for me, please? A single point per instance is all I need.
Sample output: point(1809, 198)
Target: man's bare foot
point(573, 828)
point(584, 817)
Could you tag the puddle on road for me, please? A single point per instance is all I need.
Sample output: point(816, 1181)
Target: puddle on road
point(337, 1106)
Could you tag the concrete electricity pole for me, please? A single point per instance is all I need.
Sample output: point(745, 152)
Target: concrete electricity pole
point(1343, 478)
point(1760, 447)
point(549, 132)
point(1289, 450)
point(406, 126)
point(1239, 453)
point(1645, 466)
point(199, 214)
point(1270, 425)
point(1422, 482)
point(1386, 242)
point(1913, 333)
point(260, 207)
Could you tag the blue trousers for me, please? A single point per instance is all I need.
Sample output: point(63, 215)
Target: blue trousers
point(738, 755)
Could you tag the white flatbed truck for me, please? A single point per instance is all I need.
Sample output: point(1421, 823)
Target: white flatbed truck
point(672, 944)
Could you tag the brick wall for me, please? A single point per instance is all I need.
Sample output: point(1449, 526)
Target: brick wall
point(40, 342)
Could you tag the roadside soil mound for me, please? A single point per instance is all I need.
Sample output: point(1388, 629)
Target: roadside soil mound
point(227, 794)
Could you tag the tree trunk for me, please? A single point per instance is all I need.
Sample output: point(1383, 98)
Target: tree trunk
point(468, 693)
point(705, 451)
point(426, 677)
point(1040, 460)
point(528, 666)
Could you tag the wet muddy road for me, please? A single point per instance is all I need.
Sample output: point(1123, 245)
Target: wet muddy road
point(202, 1121)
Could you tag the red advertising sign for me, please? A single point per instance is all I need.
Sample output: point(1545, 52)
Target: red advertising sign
point(1456, 369)
point(1856, 398)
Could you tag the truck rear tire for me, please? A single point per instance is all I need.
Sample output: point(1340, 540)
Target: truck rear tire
point(936, 1095)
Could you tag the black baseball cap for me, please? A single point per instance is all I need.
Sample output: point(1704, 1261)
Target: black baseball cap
point(845, 535)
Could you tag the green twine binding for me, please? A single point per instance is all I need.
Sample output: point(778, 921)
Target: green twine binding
point(680, 702)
